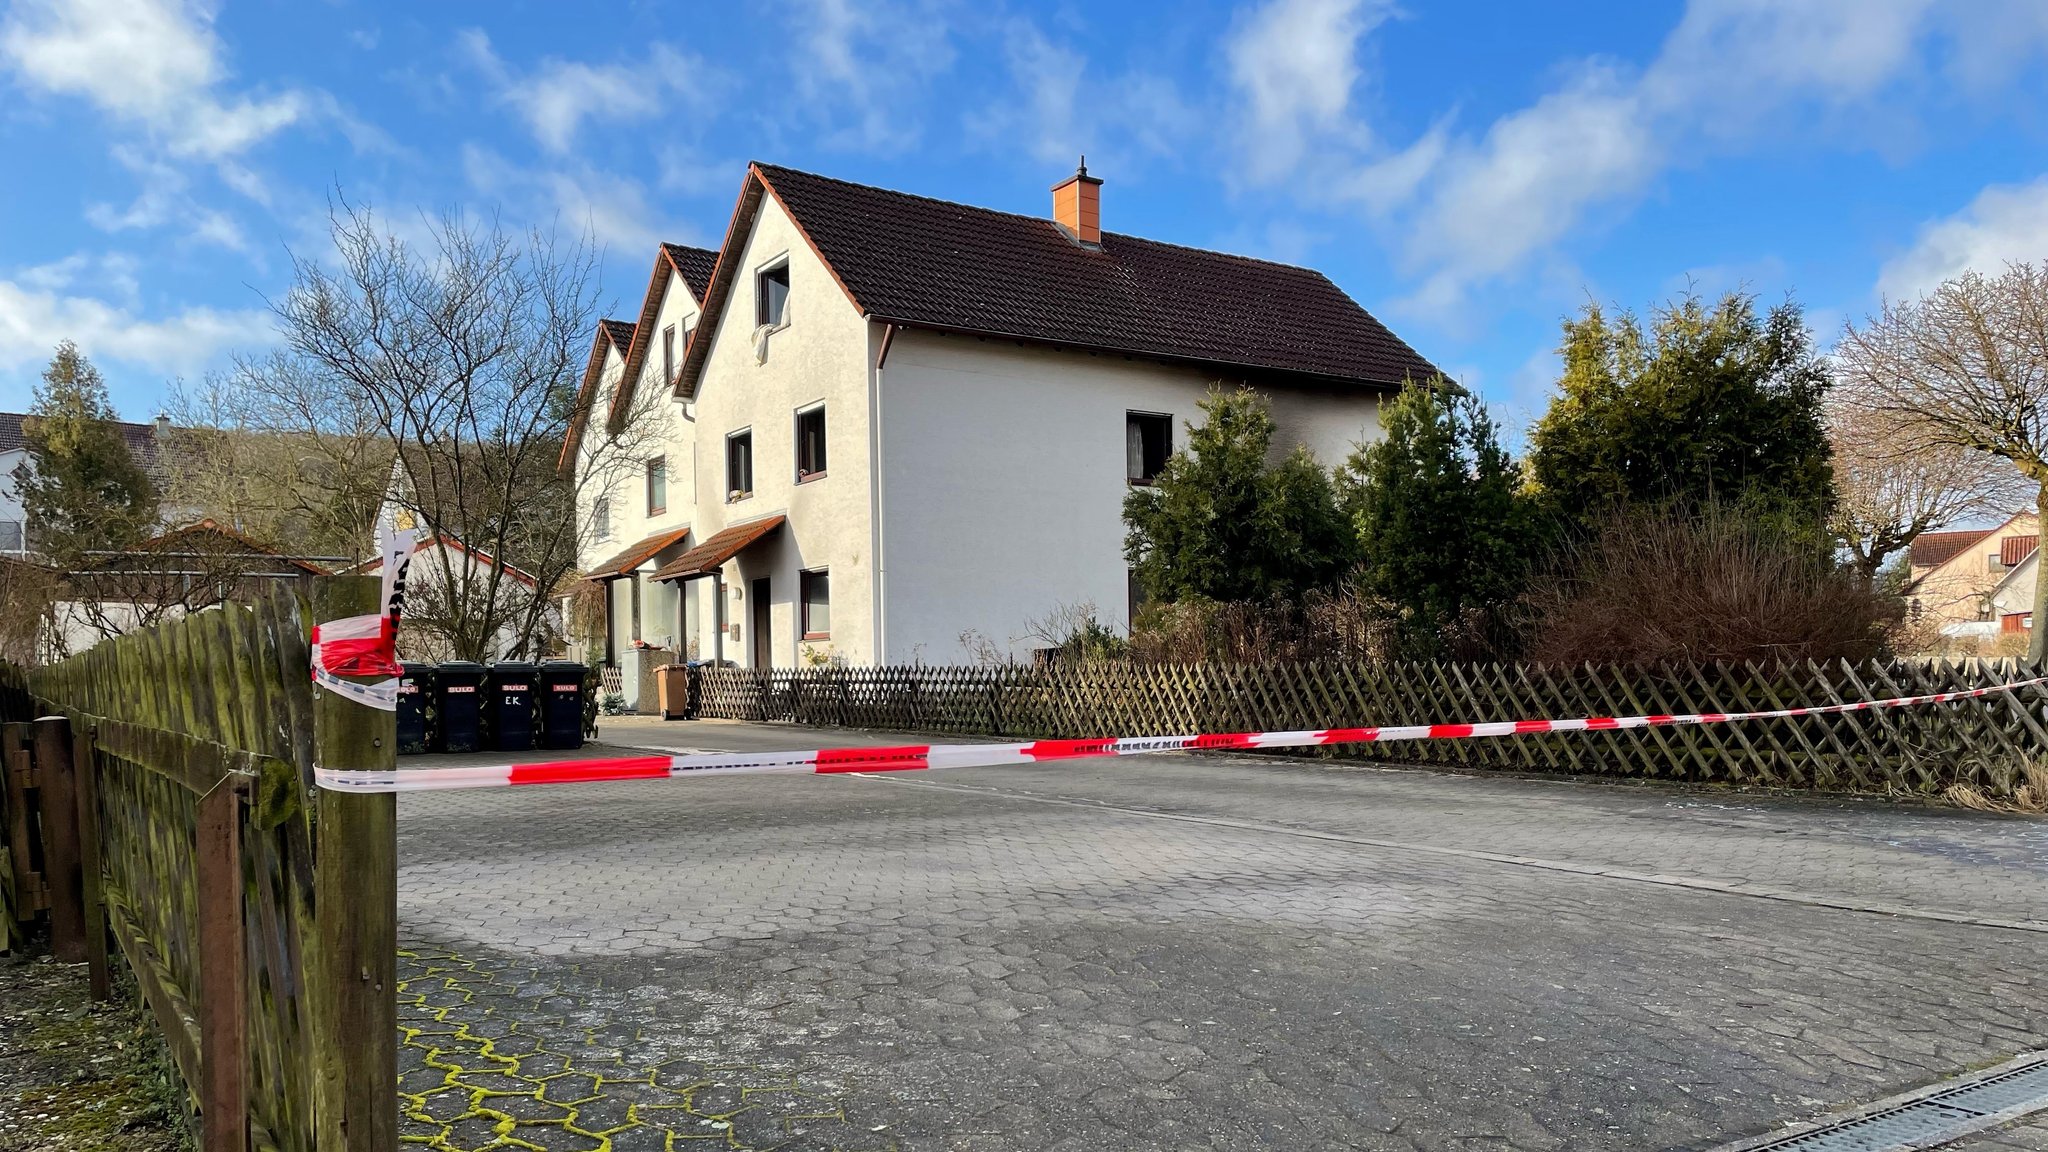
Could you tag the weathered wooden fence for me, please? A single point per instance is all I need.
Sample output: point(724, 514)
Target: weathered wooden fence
point(1981, 743)
point(256, 912)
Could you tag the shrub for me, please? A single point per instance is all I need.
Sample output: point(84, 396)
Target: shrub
point(1701, 584)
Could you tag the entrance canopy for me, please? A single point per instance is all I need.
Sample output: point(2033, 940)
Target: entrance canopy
point(626, 562)
point(706, 558)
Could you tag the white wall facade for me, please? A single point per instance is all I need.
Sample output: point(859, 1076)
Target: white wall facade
point(1004, 480)
point(14, 540)
point(616, 470)
point(818, 356)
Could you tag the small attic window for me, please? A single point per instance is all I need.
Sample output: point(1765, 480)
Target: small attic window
point(771, 295)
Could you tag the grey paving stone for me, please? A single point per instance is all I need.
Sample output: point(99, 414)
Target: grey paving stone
point(1095, 954)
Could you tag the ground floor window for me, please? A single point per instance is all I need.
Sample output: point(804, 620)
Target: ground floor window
point(816, 601)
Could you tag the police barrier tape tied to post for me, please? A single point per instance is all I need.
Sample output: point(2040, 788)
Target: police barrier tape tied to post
point(368, 645)
point(917, 757)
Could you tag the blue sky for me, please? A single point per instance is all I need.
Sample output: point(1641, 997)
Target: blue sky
point(1470, 172)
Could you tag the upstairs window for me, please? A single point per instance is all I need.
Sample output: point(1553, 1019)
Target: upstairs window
point(1148, 442)
point(657, 486)
point(668, 354)
point(771, 295)
point(601, 518)
point(816, 600)
point(810, 443)
point(739, 465)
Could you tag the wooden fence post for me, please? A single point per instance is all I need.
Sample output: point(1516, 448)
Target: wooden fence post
point(62, 872)
point(86, 792)
point(24, 837)
point(223, 1005)
point(354, 1040)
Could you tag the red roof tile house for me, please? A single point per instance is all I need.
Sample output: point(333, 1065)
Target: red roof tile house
point(903, 420)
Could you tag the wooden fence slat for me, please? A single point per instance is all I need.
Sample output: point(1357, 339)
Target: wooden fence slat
point(223, 1023)
point(92, 898)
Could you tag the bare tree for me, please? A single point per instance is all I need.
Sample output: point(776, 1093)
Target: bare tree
point(1965, 367)
point(312, 490)
point(1889, 488)
point(462, 358)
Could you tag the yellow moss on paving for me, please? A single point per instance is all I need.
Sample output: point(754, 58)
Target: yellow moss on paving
point(480, 1067)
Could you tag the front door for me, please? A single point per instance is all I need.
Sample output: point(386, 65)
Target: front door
point(764, 644)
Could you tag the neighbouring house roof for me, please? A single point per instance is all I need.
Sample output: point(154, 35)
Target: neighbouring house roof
point(611, 334)
point(212, 538)
point(141, 439)
point(1933, 549)
point(930, 263)
point(643, 550)
point(451, 542)
point(705, 558)
point(2013, 549)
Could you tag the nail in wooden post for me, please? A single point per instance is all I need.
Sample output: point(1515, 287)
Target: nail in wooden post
point(355, 899)
point(61, 870)
point(223, 1003)
point(86, 791)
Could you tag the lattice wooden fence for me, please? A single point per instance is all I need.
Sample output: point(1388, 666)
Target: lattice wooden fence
point(257, 914)
point(1925, 749)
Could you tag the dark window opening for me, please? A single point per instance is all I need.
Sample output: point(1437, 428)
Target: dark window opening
point(772, 295)
point(817, 604)
point(739, 465)
point(668, 354)
point(657, 486)
point(1148, 442)
point(810, 443)
point(601, 518)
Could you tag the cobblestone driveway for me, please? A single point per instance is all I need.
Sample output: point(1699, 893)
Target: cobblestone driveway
point(1192, 952)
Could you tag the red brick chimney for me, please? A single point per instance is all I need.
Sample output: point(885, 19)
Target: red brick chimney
point(1077, 205)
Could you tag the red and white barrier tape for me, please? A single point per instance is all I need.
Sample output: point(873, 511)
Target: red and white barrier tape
point(368, 645)
point(916, 757)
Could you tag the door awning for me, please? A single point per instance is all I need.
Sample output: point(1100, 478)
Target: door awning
point(640, 553)
point(705, 558)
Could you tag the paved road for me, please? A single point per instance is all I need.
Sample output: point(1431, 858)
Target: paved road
point(1184, 952)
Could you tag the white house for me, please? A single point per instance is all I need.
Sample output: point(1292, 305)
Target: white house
point(146, 441)
point(900, 420)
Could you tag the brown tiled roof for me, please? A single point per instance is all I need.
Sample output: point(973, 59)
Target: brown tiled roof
point(213, 537)
point(610, 334)
point(140, 438)
point(936, 264)
point(1933, 549)
point(723, 546)
point(2013, 549)
point(642, 551)
point(693, 265)
point(619, 332)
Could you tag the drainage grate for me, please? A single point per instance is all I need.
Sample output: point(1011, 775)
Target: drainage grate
point(1926, 1118)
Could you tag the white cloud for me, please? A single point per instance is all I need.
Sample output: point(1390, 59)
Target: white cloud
point(1525, 184)
point(166, 200)
point(559, 95)
point(70, 300)
point(614, 208)
point(2005, 223)
point(1294, 64)
point(1464, 207)
point(153, 64)
point(1059, 112)
point(862, 63)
